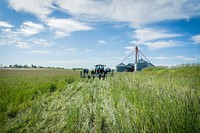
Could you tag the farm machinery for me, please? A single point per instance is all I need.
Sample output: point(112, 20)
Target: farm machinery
point(100, 71)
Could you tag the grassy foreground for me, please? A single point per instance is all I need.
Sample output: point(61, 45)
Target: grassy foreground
point(154, 100)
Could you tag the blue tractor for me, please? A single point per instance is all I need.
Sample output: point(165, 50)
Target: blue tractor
point(99, 72)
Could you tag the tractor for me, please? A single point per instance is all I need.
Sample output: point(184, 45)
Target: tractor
point(99, 72)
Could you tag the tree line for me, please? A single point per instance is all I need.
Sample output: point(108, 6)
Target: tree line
point(27, 66)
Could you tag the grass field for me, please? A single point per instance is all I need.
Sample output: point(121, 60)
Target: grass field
point(154, 100)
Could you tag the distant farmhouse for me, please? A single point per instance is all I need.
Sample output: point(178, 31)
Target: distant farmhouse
point(130, 67)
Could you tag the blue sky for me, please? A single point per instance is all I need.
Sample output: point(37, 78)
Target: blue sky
point(82, 33)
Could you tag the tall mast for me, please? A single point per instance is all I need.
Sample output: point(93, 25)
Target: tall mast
point(136, 58)
point(136, 54)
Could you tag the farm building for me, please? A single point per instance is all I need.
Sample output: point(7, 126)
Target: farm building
point(130, 67)
point(137, 66)
point(121, 67)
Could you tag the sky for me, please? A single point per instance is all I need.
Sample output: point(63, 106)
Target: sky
point(82, 33)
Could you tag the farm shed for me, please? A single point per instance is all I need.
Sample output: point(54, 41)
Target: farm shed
point(121, 67)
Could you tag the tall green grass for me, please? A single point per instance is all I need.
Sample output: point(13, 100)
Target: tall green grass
point(149, 101)
point(20, 88)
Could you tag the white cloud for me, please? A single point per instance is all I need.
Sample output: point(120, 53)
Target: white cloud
point(15, 38)
point(101, 42)
point(130, 48)
point(132, 11)
point(63, 27)
point(22, 45)
point(186, 58)
point(162, 44)
point(164, 58)
point(71, 49)
point(39, 8)
point(154, 39)
point(9, 37)
point(18, 37)
point(135, 12)
point(161, 58)
point(154, 45)
point(29, 28)
point(40, 51)
point(145, 35)
point(61, 34)
point(37, 41)
point(5, 24)
point(196, 39)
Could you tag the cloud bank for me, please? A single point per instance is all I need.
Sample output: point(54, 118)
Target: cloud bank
point(136, 13)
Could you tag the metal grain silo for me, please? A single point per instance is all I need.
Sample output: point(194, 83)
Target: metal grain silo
point(130, 67)
point(121, 67)
point(142, 64)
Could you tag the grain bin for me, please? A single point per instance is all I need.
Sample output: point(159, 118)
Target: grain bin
point(121, 67)
point(141, 64)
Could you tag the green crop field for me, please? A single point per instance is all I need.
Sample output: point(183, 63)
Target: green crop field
point(153, 100)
